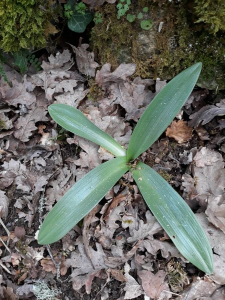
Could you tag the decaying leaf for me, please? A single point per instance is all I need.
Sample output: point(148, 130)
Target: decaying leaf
point(201, 289)
point(209, 172)
point(154, 285)
point(25, 125)
point(217, 241)
point(132, 288)
point(17, 94)
point(179, 131)
point(207, 113)
point(105, 76)
point(84, 270)
point(56, 77)
point(150, 228)
point(62, 61)
point(216, 211)
point(85, 60)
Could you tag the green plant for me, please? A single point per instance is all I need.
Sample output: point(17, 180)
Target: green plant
point(78, 16)
point(97, 18)
point(146, 24)
point(169, 208)
point(24, 58)
point(2, 73)
point(123, 8)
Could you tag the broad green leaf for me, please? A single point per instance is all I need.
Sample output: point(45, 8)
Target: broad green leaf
point(78, 22)
point(80, 200)
point(175, 217)
point(20, 60)
point(162, 110)
point(73, 120)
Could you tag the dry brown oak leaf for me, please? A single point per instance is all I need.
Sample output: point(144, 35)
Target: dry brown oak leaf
point(179, 131)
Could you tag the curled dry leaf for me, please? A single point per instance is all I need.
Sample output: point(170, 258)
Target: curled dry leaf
point(168, 250)
point(105, 77)
point(85, 60)
point(216, 211)
point(207, 113)
point(179, 131)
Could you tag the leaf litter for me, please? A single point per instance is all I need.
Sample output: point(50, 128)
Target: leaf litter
point(119, 240)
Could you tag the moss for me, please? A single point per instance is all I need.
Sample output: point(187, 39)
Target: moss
point(2, 125)
point(193, 43)
point(185, 38)
point(25, 24)
point(95, 92)
point(165, 175)
point(212, 13)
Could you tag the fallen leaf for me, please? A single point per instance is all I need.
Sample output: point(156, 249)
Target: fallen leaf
point(48, 265)
point(207, 113)
point(132, 288)
point(85, 60)
point(200, 288)
point(209, 172)
point(25, 125)
point(154, 285)
point(216, 211)
point(217, 241)
point(105, 76)
point(151, 227)
point(17, 94)
point(179, 131)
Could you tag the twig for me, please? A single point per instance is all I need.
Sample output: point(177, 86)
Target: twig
point(107, 281)
point(4, 267)
point(5, 245)
point(8, 234)
point(57, 265)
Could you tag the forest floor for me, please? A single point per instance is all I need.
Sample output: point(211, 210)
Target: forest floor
point(119, 251)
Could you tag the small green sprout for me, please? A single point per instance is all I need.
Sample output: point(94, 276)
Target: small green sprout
point(78, 16)
point(81, 8)
point(171, 211)
point(68, 12)
point(140, 16)
point(97, 18)
point(145, 9)
point(146, 24)
point(122, 8)
point(131, 18)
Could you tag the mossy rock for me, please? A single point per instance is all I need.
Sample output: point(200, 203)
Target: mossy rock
point(26, 24)
point(179, 38)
